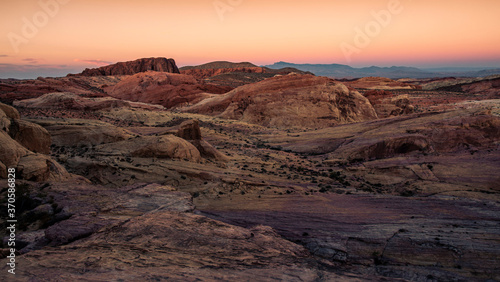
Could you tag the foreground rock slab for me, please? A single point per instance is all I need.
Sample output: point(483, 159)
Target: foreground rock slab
point(418, 239)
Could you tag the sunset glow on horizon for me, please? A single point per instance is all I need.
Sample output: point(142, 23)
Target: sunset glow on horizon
point(61, 36)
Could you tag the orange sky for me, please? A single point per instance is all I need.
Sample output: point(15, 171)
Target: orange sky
point(70, 35)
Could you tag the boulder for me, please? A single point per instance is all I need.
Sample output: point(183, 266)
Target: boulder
point(10, 111)
point(3, 170)
point(189, 130)
point(10, 150)
point(32, 136)
point(167, 146)
point(4, 121)
point(37, 167)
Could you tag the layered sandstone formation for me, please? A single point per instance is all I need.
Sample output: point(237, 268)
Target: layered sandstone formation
point(11, 90)
point(190, 131)
point(70, 101)
point(453, 83)
point(382, 83)
point(133, 67)
point(486, 87)
point(167, 89)
point(432, 133)
point(290, 101)
point(157, 237)
point(234, 74)
point(203, 73)
point(387, 104)
point(82, 132)
point(25, 147)
point(207, 73)
point(167, 146)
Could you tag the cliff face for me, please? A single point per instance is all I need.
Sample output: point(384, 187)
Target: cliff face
point(133, 67)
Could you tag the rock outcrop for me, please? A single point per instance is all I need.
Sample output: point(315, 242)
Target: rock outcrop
point(82, 133)
point(70, 101)
point(30, 135)
point(204, 242)
point(167, 89)
point(11, 90)
point(166, 146)
point(206, 73)
point(387, 104)
point(10, 151)
point(133, 67)
point(23, 146)
point(190, 131)
point(10, 111)
point(381, 83)
point(420, 134)
point(290, 101)
point(234, 74)
point(403, 239)
point(38, 167)
point(488, 86)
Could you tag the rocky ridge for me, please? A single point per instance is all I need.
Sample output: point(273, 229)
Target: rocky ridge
point(379, 83)
point(387, 104)
point(167, 89)
point(289, 101)
point(11, 90)
point(133, 67)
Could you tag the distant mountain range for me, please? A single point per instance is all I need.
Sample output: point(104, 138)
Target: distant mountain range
point(344, 71)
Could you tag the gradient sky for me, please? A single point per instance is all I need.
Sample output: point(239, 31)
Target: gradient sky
point(74, 34)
